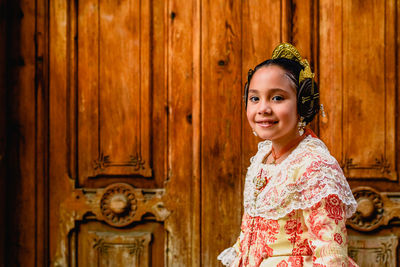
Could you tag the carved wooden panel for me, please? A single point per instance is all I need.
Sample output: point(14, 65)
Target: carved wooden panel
point(374, 209)
point(374, 251)
point(98, 245)
point(357, 80)
point(109, 72)
point(119, 205)
point(131, 249)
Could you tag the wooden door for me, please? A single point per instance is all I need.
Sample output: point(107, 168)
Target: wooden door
point(121, 170)
point(129, 143)
point(358, 55)
point(352, 46)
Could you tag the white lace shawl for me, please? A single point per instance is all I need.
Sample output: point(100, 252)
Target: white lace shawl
point(303, 179)
point(227, 256)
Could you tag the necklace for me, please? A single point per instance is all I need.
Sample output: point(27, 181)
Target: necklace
point(263, 176)
point(286, 148)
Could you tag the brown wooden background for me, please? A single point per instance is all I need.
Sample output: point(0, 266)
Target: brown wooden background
point(90, 88)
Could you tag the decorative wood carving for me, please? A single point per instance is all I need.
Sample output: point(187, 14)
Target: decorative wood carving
point(381, 164)
point(97, 204)
point(373, 250)
point(130, 250)
point(374, 209)
point(104, 162)
point(118, 204)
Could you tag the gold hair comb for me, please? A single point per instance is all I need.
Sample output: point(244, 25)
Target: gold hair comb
point(289, 51)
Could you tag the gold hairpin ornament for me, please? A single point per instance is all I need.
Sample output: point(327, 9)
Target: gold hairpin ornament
point(304, 99)
point(305, 73)
point(289, 51)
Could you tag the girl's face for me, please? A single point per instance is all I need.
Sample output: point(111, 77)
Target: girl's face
point(272, 105)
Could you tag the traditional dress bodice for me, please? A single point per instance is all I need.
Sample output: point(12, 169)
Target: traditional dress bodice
point(294, 211)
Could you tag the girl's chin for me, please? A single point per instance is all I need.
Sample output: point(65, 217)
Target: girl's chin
point(266, 136)
point(273, 135)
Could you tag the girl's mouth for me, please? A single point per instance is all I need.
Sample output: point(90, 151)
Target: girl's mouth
point(266, 124)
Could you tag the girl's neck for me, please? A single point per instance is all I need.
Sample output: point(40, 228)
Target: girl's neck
point(282, 143)
point(285, 148)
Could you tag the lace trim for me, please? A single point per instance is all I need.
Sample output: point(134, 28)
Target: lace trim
point(303, 179)
point(227, 256)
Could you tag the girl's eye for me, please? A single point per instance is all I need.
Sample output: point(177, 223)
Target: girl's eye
point(253, 98)
point(277, 98)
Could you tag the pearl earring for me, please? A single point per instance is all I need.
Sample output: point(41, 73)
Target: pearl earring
point(254, 132)
point(301, 125)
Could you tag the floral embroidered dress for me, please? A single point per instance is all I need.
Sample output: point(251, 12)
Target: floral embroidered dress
point(294, 211)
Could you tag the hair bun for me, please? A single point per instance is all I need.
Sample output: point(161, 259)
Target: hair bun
point(308, 99)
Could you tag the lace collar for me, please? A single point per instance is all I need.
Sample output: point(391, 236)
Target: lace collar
point(304, 178)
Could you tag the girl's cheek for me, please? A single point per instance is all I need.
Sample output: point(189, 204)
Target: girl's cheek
point(289, 111)
point(249, 117)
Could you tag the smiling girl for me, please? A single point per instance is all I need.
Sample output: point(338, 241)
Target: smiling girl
point(296, 198)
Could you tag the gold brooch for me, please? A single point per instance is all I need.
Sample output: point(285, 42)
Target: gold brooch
point(261, 179)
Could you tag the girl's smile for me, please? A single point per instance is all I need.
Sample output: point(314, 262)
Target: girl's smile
point(266, 123)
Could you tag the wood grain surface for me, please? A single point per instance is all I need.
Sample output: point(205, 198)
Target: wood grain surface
point(149, 94)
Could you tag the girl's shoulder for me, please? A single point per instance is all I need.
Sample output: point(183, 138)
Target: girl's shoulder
point(312, 153)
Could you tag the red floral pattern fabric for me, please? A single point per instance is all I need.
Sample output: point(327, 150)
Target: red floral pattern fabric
point(293, 229)
point(294, 212)
point(335, 211)
point(310, 237)
point(338, 238)
point(296, 261)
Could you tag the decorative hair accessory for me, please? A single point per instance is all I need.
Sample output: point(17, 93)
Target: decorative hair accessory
point(304, 99)
point(301, 125)
point(288, 51)
point(324, 117)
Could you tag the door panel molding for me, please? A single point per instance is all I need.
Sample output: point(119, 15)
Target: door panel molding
point(132, 249)
point(108, 79)
point(88, 204)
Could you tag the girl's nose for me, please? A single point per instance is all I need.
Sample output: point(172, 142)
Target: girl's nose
point(264, 108)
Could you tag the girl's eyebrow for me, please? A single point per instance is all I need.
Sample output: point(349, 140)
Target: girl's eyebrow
point(271, 90)
point(274, 90)
point(253, 91)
